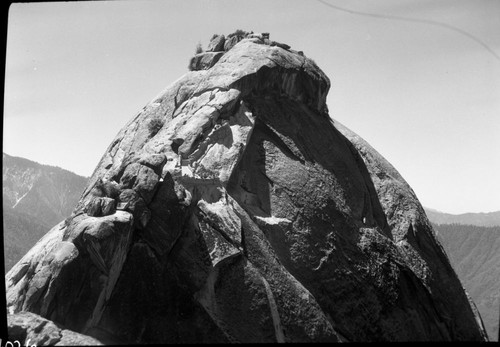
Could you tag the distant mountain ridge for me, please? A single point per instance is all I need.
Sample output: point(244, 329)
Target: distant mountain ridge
point(487, 219)
point(35, 198)
point(471, 241)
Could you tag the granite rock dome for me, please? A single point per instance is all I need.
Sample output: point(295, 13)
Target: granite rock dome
point(232, 208)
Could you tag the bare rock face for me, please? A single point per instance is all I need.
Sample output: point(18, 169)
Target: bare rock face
point(233, 209)
point(30, 329)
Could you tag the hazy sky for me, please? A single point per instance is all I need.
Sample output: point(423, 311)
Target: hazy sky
point(425, 95)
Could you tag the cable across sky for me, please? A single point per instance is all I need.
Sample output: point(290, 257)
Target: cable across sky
point(415, 20)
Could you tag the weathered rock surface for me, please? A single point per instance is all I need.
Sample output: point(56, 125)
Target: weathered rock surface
point(30, 329)
point(245, 214)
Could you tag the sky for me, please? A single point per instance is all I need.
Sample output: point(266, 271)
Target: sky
point(418, 79)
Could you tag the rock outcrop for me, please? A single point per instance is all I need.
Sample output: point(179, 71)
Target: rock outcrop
point(233, 209)
point(30, 329)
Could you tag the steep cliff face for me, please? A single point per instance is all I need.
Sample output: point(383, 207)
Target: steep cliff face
point(233, 209)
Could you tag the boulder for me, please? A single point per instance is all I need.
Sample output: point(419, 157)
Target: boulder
point(231, 42)
point(216, 44)
point(100, 206)
point(204, 61)
point(279, 44)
